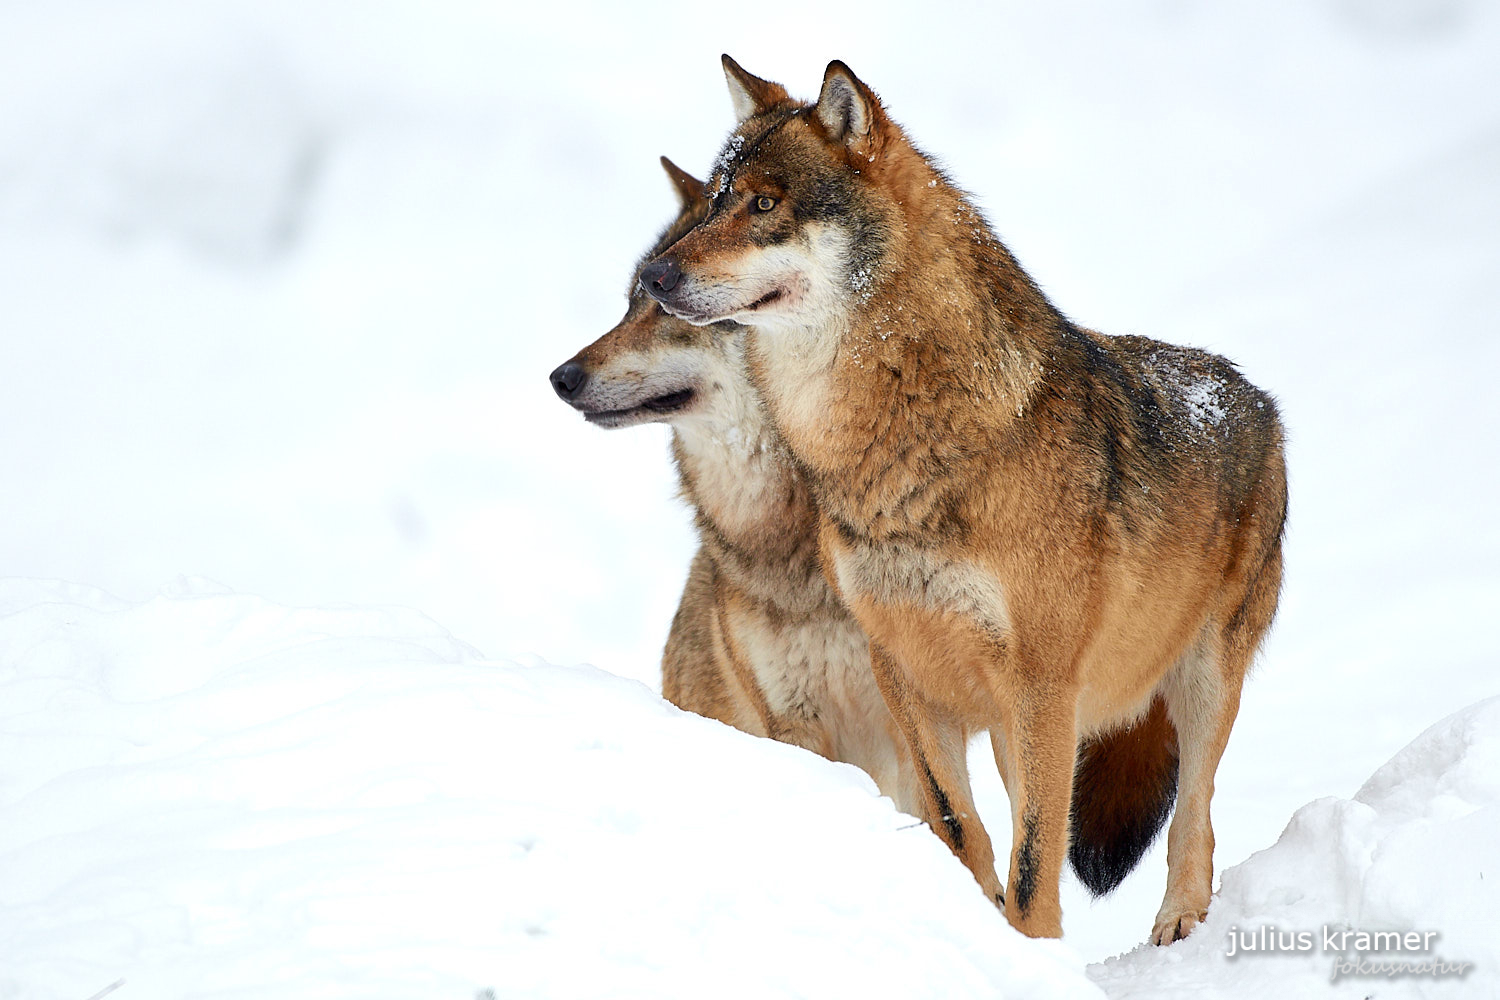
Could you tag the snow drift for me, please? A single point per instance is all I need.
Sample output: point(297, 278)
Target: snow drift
point(1410, 852)
point(210, 795)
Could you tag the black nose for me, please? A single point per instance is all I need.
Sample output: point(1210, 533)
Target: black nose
point(660, 277)
point(568, 378)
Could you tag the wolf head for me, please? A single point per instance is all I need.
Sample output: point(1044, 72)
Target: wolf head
point(806, 203)
point(653, 366)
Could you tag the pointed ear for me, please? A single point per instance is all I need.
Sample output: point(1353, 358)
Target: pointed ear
point(750, 94)
point(689, 188)
point(846, 107)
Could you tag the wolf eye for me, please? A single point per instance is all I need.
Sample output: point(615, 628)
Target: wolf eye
point(765, 203)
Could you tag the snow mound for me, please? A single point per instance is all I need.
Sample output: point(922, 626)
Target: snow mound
point(1414, 850)
point(207, 794)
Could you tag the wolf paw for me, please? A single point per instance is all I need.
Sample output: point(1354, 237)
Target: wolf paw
point(1176, 926)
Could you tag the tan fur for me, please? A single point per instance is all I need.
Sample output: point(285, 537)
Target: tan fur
point(697, 673)
point(1041, 528)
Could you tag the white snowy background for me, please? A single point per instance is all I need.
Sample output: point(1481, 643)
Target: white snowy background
point(280, 284)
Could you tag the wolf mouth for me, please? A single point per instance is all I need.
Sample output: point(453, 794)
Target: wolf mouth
point(765, 299)
point(699, 317)
point(658, 406)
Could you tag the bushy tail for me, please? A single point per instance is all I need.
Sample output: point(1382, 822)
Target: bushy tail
point(1123, 789)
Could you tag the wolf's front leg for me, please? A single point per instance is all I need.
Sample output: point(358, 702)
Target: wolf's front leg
point(939, 752)
point(1040, 747)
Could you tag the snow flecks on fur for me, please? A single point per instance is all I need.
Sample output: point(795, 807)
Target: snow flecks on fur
point(861, 283)
point(968, 216)
point(1201, 397)
point(719, 177)
point(880, 328)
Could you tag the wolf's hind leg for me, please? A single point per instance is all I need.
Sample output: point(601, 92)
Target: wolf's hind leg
point(1203, 698)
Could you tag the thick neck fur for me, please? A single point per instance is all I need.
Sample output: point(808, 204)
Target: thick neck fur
point(752, 503)
point(926, 359)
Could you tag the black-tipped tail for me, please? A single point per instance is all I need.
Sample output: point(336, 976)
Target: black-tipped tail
point(1124, 786)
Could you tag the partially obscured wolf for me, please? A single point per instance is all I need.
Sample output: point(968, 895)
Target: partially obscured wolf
point(760, 641)
point(1045, 532)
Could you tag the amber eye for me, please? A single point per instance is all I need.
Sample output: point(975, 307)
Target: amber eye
point(765, 203)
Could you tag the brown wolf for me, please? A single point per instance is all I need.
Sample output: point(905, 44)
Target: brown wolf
point(1042, 530)
point(760, 641)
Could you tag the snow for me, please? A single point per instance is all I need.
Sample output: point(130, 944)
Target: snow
point(211, 795)
point(280, 285)
point(207, 794)
point(1204, 407)
point(1408, 852)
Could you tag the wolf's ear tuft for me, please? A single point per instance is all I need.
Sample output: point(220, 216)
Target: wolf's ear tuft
point(846, 107)
point(751, 95)
point(689, 188)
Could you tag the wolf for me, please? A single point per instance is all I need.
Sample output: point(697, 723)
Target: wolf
point(760, 641)
point(1044, 532)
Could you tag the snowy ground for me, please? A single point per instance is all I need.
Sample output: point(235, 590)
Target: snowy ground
point(210, 795)
point(254, 801)
point(280, 285)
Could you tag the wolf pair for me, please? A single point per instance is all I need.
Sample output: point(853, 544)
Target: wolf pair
point(930, 505)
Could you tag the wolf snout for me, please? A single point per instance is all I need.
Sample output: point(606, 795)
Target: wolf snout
point(567, 379)
point(660, 277)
